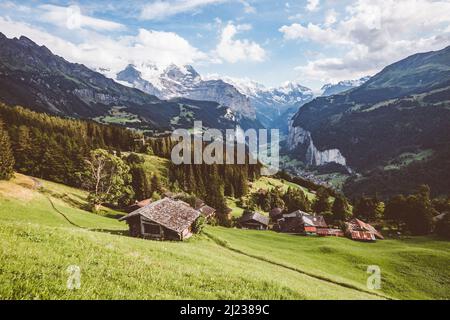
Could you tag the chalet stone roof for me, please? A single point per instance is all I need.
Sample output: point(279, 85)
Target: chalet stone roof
point(138, 205)
point(199, 203)
point(256, 217)
point(308, 219)
point(275, 212)
point(356, 227)
point(169, 194)
point(172, 214)
point(207, 211)
point(441, 216)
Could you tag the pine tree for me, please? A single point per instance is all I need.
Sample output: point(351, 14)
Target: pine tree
point(156, 184)
point(340, 208)
point(419, 217)
point(139, 183)
point(396, 210)
point(321, 203)
point(22, 148)
point(6, 156)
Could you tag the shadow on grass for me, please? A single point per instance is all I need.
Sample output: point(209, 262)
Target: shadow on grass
point(114, 232)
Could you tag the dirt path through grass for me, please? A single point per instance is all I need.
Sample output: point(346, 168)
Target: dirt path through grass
point(226, 245)
point(38, 186)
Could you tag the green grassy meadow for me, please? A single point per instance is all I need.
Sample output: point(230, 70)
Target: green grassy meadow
point(38, 244)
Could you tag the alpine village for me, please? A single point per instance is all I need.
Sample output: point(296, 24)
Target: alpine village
point(87, 180)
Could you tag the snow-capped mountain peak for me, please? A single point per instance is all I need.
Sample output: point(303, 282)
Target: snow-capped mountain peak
point(184, 81)
point(184, 73)
point(330, 88)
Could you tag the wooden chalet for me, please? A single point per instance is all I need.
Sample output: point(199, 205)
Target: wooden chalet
point(253, 220)
point(207, 211)
point(330, 232)
point(361, 231)
point(165, 219)
point(199, 203)
point(275, 214)
point(169, 194)
point(301, 223)
point(137, 205)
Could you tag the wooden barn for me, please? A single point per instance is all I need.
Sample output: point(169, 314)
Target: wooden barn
point(137, 205)
point(330, 232)
point(207, 211)
point(165, 219)
point(301, 223)
point(253, 220)
point(199, 203)
point(361, 231)
point(275, 214)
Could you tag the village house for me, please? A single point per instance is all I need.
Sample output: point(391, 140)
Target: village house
point(330, 232)
point(207, 211)
point(361, 231)
point(253, 220)
point(165, 219)
point(137, 205)
point(301, 223)
point(198, 203)
point(275, 214)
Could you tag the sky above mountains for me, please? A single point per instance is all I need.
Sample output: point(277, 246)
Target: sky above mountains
point(311, 42)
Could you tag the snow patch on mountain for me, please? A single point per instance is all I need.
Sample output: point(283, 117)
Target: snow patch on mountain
point(184, 81)
point(342, 86)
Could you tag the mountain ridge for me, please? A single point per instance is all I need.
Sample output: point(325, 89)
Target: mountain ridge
point(405, 108)
point(176, 81)
point(32, 76)
point(330, 89)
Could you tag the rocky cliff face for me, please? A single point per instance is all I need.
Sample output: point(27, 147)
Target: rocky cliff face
point(300, 140)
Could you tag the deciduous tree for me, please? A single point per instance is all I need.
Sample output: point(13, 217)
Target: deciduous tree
point(106, 177)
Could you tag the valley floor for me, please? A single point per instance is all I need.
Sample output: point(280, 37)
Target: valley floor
point(44, 230)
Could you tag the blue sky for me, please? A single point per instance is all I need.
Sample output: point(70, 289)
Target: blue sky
point(311, 42)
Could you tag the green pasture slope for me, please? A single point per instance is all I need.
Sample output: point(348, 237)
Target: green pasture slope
point(44, 229)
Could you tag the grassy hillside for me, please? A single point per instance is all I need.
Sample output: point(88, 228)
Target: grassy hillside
point(415, 268)
point(38, 244)
point(268, 183)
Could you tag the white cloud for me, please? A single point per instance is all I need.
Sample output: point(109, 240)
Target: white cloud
point(373, 34)
point(312, 5)
point(233, 50)
point(14, 6)
point(163, 9)
point(248, 8)
point(311, 32)
point(72, 18)
point(114, 53)
point(330, 18)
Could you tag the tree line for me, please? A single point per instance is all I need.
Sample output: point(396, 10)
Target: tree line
point(55, 148)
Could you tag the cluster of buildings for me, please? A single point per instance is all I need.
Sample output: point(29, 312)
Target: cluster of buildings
point(172, 219)
point(299, 222)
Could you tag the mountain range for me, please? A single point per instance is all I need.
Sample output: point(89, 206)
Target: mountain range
point(274, 106)
point(248, 99)
point(32, 76)
point(184, 81)
point(393, 129)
